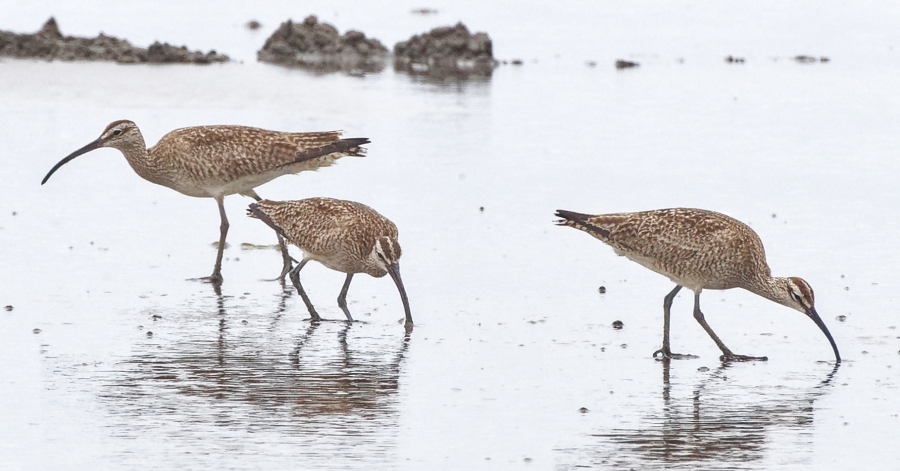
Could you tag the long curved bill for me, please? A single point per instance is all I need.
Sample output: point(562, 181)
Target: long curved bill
point(818, 320)
point(93, 145)
point(394, 270)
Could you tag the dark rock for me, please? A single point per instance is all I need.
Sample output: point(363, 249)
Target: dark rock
point(516, 62)
point(448, 51)
point(735, 60)
point(49, 44)
point(321, 48)
point(602, 289)
point(253, 25)
point(618, 325)
point(623, 64)
point(805, 59)
point(8, 307)
point(583, 410)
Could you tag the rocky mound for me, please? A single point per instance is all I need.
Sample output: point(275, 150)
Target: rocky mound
point(50, 44)
point(449, 51)
point(319, 47)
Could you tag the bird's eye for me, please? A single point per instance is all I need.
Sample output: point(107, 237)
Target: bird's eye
point(117, 132)
point(794, 296)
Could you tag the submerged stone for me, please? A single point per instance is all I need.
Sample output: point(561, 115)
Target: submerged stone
point(49, 44)
point(321, 48)
point(448, 51)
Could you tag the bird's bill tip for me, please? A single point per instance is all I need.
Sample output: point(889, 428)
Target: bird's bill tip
point(818, 320)
point(394, 270)
point(91, 146)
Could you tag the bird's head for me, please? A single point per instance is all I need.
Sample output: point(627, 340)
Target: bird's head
point(796, 293)
point(385, 253)
point(123, 135)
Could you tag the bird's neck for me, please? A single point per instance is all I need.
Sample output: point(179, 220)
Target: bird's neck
point(772, 288)
point(143, 162)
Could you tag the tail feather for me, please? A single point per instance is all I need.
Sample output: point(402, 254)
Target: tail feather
point(347, 147)
point(582, 222)
point(254, 211)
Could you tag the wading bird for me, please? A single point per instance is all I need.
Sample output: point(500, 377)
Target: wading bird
point(344, 236)
point(217, 161)
point(698, 249)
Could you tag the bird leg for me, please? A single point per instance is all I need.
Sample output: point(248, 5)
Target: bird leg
point(216, 277)
point(342, 298)
point(295, 278)
point(665, 351)
point(727, 354)
point(285, 258)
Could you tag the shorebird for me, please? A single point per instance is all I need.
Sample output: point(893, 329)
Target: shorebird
point(217, 161)
point(345, 236)
point(698, 249)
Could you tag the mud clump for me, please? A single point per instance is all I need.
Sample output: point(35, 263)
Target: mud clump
point(804, 59)
point(448, 51)
point(319, 47)
point(49, 44)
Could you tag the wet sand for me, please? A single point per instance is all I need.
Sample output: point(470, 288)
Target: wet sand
point(514, 361)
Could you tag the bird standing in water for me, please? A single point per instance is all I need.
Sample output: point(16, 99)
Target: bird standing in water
point(217, 161)
point(698, 249)
point(345, 236)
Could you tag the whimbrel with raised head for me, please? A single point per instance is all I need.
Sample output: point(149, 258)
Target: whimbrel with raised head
point(345, 236)
point(698, 249)
point(217, 161)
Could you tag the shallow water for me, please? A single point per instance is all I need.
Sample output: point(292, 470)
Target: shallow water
point(513, 362)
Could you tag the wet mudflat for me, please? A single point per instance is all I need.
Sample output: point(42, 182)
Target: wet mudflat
point(109, 359)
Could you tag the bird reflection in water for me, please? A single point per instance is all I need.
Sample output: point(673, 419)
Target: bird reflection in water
point(722, 425)
point(326, 382)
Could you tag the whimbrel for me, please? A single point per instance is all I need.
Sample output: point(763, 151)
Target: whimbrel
point(345, 236)
point(217, 161)
point(698, 249)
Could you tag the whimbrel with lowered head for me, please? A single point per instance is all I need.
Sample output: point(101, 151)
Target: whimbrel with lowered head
point(698, 249)
point(217, 161)
point(345, 236)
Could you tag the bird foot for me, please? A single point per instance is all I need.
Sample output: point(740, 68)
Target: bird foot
point(215, 278)
point(664, 355)
point(732, 357)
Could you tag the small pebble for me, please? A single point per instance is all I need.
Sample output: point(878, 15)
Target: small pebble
point(481, 208)
point(149, 334)
point(618, 325)
point(36, 331)
point(602, 289)
point(841, 318)
point(624, 345)
point(8, 307)
point(516, 62)
point(703, 369)
point(583, 410)
point(623, 64)
point(253, 25)
point(156, 317)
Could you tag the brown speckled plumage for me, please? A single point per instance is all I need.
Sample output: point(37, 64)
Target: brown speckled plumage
point(216, 161)
point(697, 249)
point(345, 236)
